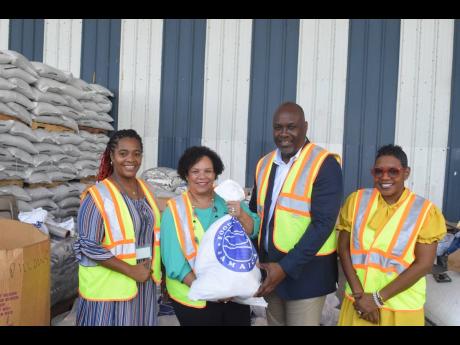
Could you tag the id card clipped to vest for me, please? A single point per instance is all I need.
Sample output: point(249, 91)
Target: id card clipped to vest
point(143, 252)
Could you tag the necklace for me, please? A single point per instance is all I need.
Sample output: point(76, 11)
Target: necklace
point(196, 201)
point(134, 192)
point(195, 216)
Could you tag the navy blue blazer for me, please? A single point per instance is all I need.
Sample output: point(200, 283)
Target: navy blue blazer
point(308, 275)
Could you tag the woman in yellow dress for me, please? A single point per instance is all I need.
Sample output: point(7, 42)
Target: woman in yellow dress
point(387, 244)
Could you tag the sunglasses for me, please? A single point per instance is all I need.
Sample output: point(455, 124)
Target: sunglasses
point(391, 172)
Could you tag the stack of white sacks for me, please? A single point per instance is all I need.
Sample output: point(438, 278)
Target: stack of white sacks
point(33, 91)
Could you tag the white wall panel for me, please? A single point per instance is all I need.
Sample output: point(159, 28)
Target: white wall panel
point(4, 33)
point(140, 82)
point(423, 107)
point(62, 44)
point(226, 93)
point(322, 77)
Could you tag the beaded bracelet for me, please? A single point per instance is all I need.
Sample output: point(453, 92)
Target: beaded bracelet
point(377, 299)
point(380, 297)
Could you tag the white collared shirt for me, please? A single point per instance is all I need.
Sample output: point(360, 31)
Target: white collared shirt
point(281, 174)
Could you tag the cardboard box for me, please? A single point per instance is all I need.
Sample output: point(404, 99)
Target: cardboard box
point(24, 275)
point(453, 261)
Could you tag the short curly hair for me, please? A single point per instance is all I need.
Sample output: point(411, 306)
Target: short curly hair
point(393, 150)
point(193, 154)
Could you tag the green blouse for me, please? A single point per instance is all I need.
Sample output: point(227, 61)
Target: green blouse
point(177, 267)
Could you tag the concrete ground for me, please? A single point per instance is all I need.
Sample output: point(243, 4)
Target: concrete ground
point(68, 319)
point(330, 313)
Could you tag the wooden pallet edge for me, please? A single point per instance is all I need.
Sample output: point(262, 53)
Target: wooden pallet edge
point(51, 127)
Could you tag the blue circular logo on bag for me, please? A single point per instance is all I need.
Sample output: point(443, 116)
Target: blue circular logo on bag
point(233, 247)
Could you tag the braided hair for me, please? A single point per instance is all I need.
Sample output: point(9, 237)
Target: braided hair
point(105, 167)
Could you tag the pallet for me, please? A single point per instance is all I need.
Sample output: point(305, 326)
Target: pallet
point(44, 184)
point(19, 183)
point(50, 127)
point(4, 117)
point(93, 130)
point(89, 180)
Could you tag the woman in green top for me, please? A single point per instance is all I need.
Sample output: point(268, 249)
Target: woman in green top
point(200, 166)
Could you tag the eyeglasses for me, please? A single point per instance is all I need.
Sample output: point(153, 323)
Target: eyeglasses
point(391, 172)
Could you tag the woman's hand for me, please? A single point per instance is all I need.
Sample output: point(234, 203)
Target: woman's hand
point(234, 208)
point(372, 317)
point(140, 272)
point(366, 308)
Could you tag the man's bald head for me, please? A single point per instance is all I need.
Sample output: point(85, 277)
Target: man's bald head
point(289, 129)
point(291, 108)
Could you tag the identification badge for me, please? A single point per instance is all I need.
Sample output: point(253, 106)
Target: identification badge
point(143, 253)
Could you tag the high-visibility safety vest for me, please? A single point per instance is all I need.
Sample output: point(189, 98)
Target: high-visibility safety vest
point(292, 211)
point(99, 283)
point(189, 232)
point(380, 256)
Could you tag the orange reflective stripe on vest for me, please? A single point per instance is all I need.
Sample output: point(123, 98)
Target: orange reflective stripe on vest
point(415, 209)
point(380, 256)
point(99, 283)
point(292, 210)
point(188, 234)
point(182, 213)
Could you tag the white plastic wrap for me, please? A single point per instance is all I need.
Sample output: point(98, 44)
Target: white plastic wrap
point(225, 265)
point(7, 139)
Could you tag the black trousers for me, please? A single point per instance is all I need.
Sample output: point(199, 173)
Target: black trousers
point(214, 314)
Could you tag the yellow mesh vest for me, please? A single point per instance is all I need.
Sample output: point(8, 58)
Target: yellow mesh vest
point(379, 257)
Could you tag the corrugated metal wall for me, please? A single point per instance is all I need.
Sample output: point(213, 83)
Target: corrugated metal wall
point(362, 83)
point(100, 55)
point(371, 97)
point(226, 93)
point(62, 44)
point(275, 44)
point(26, 37)
point(181, 105)
point(4, 33)
point(140, 82)
point(424, 102)
point(452, 179)
point(322, 79)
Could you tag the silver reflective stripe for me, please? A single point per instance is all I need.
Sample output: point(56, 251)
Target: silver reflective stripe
point(265, 161)
point(109, 207)
point(408, 226)
point(358, 259)
point(377, 259)
point(186, 231)
point(294, 204)
point(127, 248)
point(152, 195)
point(115, 229)
point(366, 197)
point(299, 188)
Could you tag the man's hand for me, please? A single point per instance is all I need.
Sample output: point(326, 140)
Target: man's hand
point(275, 275)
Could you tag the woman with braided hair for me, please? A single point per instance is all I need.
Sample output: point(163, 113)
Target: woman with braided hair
point(118, 247)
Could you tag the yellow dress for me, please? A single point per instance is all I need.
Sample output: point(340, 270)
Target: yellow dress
point(433, 230)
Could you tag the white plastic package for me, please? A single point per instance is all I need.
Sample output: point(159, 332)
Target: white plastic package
point(230, 190)
point(225, 265)
point(36, 217)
